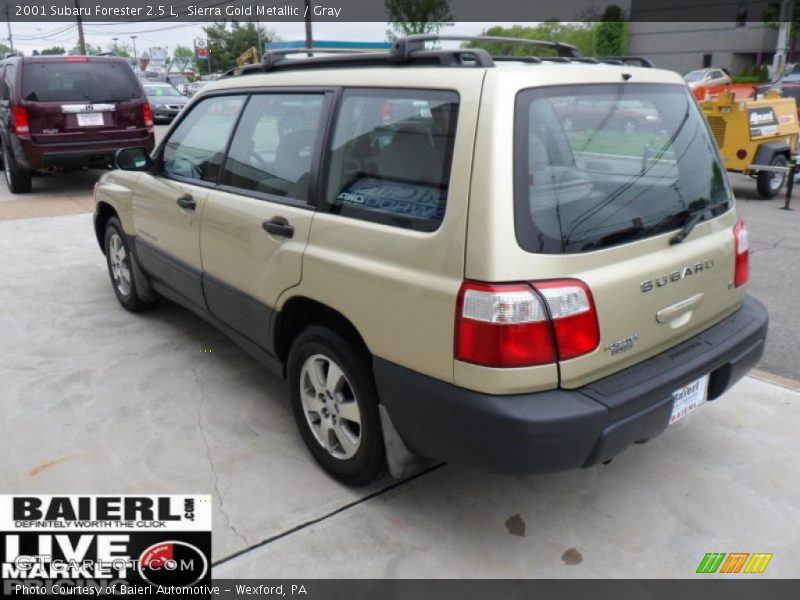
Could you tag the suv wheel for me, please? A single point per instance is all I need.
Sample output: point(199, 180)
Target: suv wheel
point(18, 179)
point(335, 404)
point(120, 269)
point(768, 183)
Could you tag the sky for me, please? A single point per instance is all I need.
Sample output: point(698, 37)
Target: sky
point(30, 36)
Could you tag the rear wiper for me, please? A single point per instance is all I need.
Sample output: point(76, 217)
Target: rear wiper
point(687, 228)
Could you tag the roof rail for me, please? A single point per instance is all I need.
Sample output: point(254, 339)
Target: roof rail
point(411, 51)
point(624, 60)
point(403, 47)
point(275, 60)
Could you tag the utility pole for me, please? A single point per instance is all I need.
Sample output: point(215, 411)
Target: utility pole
point(10, 39)
point(115, 45)
point(133, 39)
point(309, 37)
point(81, 40)
point(779, 61)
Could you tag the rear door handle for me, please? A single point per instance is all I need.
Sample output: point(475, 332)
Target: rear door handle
point(278, 227)
point(186, 201)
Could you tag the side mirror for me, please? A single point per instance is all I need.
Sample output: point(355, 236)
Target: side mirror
point(132, 159)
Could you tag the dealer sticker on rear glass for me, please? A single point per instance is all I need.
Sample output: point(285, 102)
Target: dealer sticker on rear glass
point(688, 398)
point(105, 544)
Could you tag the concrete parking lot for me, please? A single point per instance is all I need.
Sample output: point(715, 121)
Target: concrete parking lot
point(96, 400)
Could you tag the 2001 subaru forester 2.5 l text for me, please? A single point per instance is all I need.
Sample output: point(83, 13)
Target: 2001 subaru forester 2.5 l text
point(439, 267)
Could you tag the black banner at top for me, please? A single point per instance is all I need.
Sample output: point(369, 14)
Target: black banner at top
point(333, 11)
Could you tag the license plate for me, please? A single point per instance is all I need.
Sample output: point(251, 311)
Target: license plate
point(90, 119)
point(689, 398)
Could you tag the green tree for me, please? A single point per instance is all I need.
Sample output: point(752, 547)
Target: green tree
point(182, 54)
point(612, 32)
point(53, 51)
point(582, 35)
point(90, 50)
point(409, 17)
point(771, 15)
point(123, 50)
point(4, 49)
point(226, 41)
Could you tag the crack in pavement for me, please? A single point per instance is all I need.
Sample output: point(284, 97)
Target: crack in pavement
point(341, 509)
point(210, 460)
point(770, 247)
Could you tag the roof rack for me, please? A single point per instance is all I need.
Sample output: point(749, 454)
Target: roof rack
point(403, 47)
point(411, 51)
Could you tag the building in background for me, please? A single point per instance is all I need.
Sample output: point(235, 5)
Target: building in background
point(683, 47)
point(711, 33)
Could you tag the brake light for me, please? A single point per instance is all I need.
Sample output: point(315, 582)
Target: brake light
point(148, 115)
point(519, 325)
point(20, 116)
point(77, 59)
point(574, 316)
point(742, 241)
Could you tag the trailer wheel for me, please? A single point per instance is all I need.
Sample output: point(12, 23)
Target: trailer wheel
point(768, 183)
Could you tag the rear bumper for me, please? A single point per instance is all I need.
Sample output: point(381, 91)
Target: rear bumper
point(79, 154)
point(563, 429)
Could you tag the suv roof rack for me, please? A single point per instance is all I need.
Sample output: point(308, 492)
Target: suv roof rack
point(411, 51)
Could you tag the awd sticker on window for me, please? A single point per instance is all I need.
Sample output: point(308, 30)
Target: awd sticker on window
point(418, 200)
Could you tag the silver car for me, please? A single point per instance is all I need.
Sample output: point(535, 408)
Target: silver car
point(706, 78)
point(165, 101)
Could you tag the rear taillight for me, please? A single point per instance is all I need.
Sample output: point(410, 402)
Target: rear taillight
point(742, 241)
point(77, 59)
point(519, 325)
point(20, 116)
point(148, 115)
point(574, 316)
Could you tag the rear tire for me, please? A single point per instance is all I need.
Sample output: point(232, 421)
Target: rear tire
point(17, 178)
point(769, 184)
point(120, 268)
point(335, 404)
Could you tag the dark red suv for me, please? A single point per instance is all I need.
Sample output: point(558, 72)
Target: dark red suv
point(68, 112)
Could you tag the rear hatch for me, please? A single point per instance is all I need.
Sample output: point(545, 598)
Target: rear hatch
point(600, 193)
point(82, 99)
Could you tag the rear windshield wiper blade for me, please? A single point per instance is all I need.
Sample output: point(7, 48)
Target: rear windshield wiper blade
point(687, 228)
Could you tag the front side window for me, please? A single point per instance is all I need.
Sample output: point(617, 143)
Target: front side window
point(601, 165)
point(391, 156)
point(274, 144)
point(196, 148)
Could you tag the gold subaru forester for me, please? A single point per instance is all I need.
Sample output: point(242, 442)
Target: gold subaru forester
point(521, 265)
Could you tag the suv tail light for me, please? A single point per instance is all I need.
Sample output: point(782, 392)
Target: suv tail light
point(20, 116)
point(148, 115)
point(574, 316)
point(742, 240)
point(518, 325)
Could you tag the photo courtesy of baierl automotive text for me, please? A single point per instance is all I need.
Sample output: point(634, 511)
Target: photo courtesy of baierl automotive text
point(422, 299)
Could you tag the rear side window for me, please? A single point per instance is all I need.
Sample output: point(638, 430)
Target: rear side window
point(600, 165)
point(274, 143)
point(391, 156)
point(88, 81)
point(196, 148)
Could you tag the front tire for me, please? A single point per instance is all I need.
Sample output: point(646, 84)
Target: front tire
point(769, 184)
point(120, 268)
point(335, 404)
point(17, 178)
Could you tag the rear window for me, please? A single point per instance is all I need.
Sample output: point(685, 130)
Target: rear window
point(78, 82)
point(600, 165)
